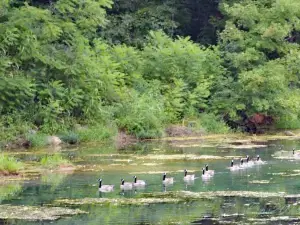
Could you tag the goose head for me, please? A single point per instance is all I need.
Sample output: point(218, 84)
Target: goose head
point(257, 157)
point(122, 181)
point(248, 158)
point(206, 167)
point(164, 176)
point(242, 161)
point(100, 182)
point(203, 171)
point(185, 172)
point(135, 178)
point(231, 164)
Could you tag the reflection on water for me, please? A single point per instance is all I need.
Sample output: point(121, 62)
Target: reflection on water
point(276, 175)
point(9, 190)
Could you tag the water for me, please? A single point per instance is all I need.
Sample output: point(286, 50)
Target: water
point(112, 165)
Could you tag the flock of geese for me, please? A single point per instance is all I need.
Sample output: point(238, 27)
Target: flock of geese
point(206, 174)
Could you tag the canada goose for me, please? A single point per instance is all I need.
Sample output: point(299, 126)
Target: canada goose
point(233, 167)
point(166, 181)
point(296, 154)
point(138, 183)
point(258, 160)
point(188, 177)
point(126, 185)
point(105, 188)
point(249, 162)
point(205, 175)
point(210, 172)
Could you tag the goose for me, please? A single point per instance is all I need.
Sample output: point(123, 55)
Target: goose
point(166, 181)
point(205, 175)
point(188, 177)
point(105, 188)
point(138, 183)
point(210, 172)
point(233, 167)
point(126, 185)
point(242, 165)
point(249, 162)
point(296, 154)
point(258, 160)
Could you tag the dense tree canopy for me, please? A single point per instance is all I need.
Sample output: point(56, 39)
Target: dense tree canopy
point(143, 64)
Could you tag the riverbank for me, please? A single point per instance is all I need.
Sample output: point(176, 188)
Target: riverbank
point(50, 159)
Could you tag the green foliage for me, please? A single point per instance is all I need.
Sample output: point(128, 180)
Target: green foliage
point(69, 137)
point(58, 66)
point(287, 122)
point(141, 115)
point(37, 140)
point(12, 126)
point(54, 161)
point(9, 165)
point(212, 124)
point(97, 132)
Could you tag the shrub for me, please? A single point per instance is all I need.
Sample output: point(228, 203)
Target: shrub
point(95, 133)
point(142, 115)
point(12, 126)
point(69, 137)
point(287, 122)
point(9, 165)
point(37, 140)
point(211, 124)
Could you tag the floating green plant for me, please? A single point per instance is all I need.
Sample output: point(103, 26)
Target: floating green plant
point(36, 213)
point(117, 201)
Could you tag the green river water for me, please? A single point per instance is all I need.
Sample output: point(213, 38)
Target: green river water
point(279, 175)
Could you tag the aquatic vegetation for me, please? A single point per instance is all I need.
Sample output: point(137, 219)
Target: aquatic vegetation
point(117, 201)
point(244, 146)
point(9, 165)
point(184, 157)
point(187, 195)
point(36, 213)
point(259, 182)
point(55, 161)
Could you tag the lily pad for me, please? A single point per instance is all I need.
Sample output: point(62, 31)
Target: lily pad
point(36, 213)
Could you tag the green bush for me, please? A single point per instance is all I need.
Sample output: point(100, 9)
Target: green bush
point(12, 126)
point(69, 137)
point(212, 124)
point(37, 140)
point(54, 161)
point(286, 122)
point(96, 133)
point(142, 115)
point(9, 165)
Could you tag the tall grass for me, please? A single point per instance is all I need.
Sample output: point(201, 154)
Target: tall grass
point(9, 165)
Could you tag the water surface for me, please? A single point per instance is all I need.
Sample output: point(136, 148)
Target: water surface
point(112, 165)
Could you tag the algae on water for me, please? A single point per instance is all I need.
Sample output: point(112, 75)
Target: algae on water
point(116, 201)
point(36, 213)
